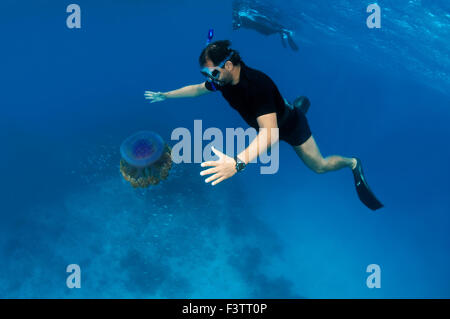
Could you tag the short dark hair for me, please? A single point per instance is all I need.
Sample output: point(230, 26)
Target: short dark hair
point(217, 52)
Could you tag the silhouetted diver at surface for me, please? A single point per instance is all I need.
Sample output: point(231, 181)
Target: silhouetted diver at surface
point(252, 19)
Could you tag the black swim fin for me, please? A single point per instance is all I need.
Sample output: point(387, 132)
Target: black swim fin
point(283, 40)
point(292, 43)
point(362, 188)
point(302, 103)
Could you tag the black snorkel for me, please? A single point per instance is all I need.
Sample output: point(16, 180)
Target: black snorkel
point(208, 41)
point(210, 36)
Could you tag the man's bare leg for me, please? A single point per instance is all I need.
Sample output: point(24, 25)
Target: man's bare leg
point(310, 154)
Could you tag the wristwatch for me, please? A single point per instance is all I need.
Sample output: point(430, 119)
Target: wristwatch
point(240, 165)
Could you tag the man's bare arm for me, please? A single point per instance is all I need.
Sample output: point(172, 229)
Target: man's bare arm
point(187, 91)
point(225, 166)
point(265, 139)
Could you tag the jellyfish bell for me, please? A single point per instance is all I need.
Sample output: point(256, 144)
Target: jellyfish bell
point(142, 149)
point(145, 159)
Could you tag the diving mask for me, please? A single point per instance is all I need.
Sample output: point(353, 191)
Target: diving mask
point(213, 73)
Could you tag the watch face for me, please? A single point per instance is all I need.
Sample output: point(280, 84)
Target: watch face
point(240, 166)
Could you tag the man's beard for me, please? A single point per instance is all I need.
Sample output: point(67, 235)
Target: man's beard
point(222, 82)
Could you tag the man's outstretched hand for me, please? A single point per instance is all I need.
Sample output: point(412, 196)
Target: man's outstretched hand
point(223, 168)
point(154, 96)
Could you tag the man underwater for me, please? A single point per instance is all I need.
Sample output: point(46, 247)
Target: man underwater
point(257, 99)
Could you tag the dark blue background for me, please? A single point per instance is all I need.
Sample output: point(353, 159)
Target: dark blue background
point(69, 98)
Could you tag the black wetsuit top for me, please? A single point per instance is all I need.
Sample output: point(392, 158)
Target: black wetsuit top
point(255, 95)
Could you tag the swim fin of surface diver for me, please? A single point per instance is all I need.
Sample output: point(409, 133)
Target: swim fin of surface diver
point(287, 37)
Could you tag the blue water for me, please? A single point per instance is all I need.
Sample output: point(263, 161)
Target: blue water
point(70, 97)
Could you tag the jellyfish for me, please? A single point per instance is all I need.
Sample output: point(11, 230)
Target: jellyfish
point(145, 159)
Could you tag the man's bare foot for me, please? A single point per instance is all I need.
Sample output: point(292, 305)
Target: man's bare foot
point(354, 163)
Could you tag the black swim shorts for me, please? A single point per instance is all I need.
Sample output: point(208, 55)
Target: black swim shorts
point(295, 131)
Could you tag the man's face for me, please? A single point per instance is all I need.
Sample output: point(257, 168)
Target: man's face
point(225, 76)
